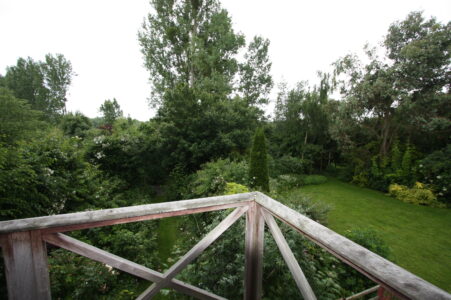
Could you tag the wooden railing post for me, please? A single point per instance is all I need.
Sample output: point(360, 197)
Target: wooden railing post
point(26, 268)
point(255, 226)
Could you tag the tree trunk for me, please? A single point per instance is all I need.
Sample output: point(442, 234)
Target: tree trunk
point(385, 135)
point(192, 48)
point(305, 143)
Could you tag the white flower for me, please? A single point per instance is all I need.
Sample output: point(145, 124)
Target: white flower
point(48, 172)
point(439, 177)
point(98, 139)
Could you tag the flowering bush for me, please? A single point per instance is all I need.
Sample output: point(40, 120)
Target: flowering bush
point(436, 171)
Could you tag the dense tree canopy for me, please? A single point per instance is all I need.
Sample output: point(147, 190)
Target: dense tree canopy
point(43, 84)
point(190, 50)
point(110, 110)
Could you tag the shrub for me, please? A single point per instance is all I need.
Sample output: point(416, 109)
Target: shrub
point(351, 280)
point(418, 194)
point(258, 167)
point(286, 182)
point(436, 171)
point(212, 178)
point(235, 188)
point(75, 124)
point(314, 179)
point(291, 165)
point(68, 270)
point(396, 190)
point(315, 210)
point(221, 267)
point(360, 179)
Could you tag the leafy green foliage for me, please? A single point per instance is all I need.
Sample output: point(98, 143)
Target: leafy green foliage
point(436, 171)
point(397, 167)
point(17, 120)
point(302, 118)
point(411, 80)
point(352, 281)
point(291, 165)
point(221, 268)
point(212, 179)
point(258, 167)
point(314, 179)
point(255, 78)
point(110, 110)
point(75, 124)
point(235, 188)
point(68, 271)
point(316, 210)
point(49, 175)
point(43, 84)
point(418, 194)
point(194, 129)
point(190, 43)
point(190, 50)
point(134, 241)
point(285, 182)
point(120, 153)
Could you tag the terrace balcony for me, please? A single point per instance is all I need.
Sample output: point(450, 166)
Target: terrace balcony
point(24, 241)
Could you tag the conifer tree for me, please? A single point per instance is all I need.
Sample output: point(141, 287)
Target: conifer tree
point(258, 169)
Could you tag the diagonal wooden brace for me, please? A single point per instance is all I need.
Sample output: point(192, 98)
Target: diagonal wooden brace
point(288, 256)
point(94, 253)
point(193, 253)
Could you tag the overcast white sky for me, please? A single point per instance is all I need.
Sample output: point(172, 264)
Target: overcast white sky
point(99, 37)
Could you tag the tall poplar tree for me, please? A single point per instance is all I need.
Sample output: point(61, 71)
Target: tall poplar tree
point(190, 50)
point(44, 84)
point(190, 43)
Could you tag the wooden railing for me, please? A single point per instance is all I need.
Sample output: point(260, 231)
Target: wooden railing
point(24, 248)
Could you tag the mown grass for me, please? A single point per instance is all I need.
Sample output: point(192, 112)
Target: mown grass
point(419, 237)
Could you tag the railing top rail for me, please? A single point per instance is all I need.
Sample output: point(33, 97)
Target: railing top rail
point(89, 217)
point(396, 279)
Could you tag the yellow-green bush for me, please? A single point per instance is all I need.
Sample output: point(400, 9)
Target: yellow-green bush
point(395, 189)
point(235, 188)
point(418, 194)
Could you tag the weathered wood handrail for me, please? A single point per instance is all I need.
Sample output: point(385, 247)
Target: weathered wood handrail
point(24, 248)
point(392, 277)
point(104, 217)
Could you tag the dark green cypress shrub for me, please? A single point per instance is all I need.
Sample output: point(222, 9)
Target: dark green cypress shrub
point(258, 169)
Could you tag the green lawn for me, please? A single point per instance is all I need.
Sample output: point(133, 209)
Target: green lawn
point(419, 237)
